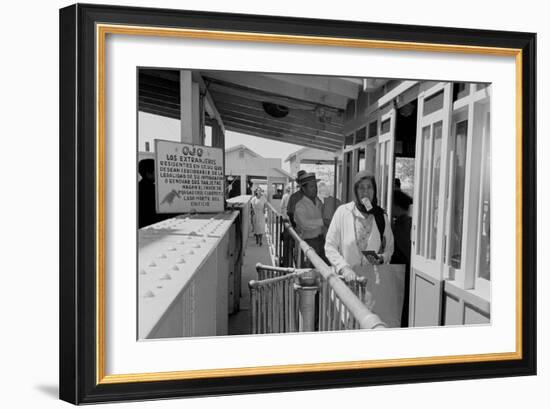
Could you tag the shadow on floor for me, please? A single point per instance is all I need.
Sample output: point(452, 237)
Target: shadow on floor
point(239, 323)
point(50, 390)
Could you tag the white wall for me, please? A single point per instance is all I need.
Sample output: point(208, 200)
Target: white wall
point(29, 295)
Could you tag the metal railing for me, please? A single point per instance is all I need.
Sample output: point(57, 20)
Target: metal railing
point(275, 228)
point(333, 314)
point(339, 307)
point(283, 300)
point(274, 300)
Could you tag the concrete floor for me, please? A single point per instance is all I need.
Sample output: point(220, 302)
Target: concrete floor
point(239, 323)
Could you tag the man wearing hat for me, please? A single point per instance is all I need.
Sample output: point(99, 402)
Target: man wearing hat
point(294, 198)
point(308, 216)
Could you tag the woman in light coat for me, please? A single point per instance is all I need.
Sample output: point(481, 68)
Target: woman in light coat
point(358, 241)
point(359, 226)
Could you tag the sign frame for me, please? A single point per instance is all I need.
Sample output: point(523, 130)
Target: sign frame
point(198, 148)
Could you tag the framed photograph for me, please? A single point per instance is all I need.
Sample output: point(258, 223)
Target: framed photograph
point(259, 204)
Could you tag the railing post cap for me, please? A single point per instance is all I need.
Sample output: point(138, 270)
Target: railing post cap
point(308, 278)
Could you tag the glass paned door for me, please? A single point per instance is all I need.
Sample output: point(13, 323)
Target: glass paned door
point(456, 185)
point(484, 262)
point(429, 186)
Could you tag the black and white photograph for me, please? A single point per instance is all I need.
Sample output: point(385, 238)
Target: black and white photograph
point(265, 205)
point(272, 203)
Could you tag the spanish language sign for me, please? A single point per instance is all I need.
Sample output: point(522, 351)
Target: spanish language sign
point(189, 178)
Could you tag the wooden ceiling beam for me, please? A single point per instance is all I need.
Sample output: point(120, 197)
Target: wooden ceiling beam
point(274, 137)
point(330, 85)
point(156, 110)
point(261, 83)
point(307, 117)
point(266, 120)
point(248, 94)
point(159, 93)
point(282, 133)
point(159, 102)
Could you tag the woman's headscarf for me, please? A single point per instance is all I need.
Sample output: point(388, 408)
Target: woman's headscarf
point(376, 210)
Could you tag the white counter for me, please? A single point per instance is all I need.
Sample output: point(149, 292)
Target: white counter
point(184, 265)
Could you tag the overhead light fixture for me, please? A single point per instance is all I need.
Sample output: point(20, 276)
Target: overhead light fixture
point(275, 110)
point(407, 110)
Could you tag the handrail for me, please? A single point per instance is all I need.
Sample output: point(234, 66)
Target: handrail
point(364, 316)
point(284, 269)
point(267, 281)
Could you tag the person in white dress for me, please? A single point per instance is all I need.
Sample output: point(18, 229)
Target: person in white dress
point(258, 204)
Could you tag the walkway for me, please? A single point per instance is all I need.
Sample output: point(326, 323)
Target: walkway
point(239, 323)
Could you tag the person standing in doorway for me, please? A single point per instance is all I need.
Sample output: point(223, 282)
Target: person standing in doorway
point(401, 227)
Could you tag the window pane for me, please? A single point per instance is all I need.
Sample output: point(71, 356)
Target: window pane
point(361, 159)
point(484, 270)
point(348, 141)
point(404, 171)
point(459, 141)
point(387, 175)
point(277, 190)
point(433, 103)
point(460, 90)
point(347, 164)
point(385, 126)
point(423, 190)
point(370, 164)
point(434, 200)
point(373, 129)
point(381, 175)
point(361, 135)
